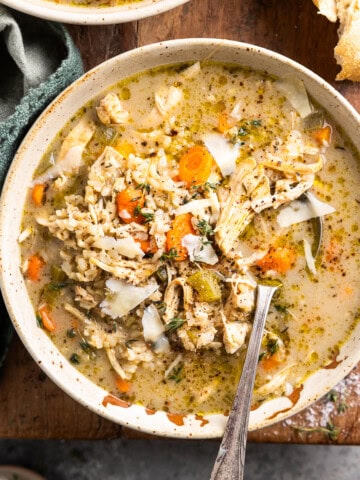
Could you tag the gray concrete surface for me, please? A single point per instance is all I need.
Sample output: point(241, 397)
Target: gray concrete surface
point(173, 459)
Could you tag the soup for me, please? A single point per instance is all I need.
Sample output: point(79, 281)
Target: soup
point(157, 209)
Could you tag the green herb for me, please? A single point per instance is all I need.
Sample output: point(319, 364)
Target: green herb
point(332, 396)
point(39, 321)
point(85, 346)
point(161, 306)
point(71, 333)
point(256, 123)
point(170, 255)
point(161, 274)
point(262, 356)
point(204, 228)
point(174, 324)
point(331, 431)
point(281, 308)
point(75, 359)
point(212, 186)
point(342, 407)
point(272, 346)
point(177, 373)
point(148, 216)
point(242, 132)
point(144, 187)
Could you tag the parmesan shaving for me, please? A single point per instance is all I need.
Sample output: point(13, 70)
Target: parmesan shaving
point(199, 249)
point(298, 211)
point(127, 247)
point(224, 153)
point(122, 297)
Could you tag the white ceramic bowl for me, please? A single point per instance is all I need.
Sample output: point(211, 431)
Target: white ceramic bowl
point(92, 15)
point(13, 198)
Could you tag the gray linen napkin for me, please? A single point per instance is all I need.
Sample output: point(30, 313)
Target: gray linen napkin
point(38, 59)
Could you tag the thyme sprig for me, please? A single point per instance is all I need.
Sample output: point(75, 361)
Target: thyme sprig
point(174, 324)
point(331, 431)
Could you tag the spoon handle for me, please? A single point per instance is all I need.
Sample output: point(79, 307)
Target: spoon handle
point(229, 463)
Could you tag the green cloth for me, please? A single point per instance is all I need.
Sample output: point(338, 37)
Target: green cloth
point(38, 60)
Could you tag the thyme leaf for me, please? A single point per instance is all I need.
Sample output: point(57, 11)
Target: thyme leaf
point(170, 255)
point(174, 324)
point(204, 228)
point(177, 374)
point(331, 431)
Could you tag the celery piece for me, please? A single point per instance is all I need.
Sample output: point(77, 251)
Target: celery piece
point(206, 284)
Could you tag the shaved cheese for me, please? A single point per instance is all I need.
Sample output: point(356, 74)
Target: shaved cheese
point(70, 155)
point(191, 71)
point(124, 214)
point(167, 99)
point(70, 164)
point(152, 325)
point(172, 365)
point(224, 153)
point(310, 261)
point(298, 211)
point(198, 250)
point(154, 329)
point(127, 247)
point(162, 345)
point(237, 112)
point(193, 207)
point(123, 297)
point(295, 92)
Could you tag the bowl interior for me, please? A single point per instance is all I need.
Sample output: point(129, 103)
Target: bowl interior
point(13, 199)
point(79, 15)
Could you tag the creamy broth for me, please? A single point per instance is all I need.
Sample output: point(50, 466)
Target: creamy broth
point(186, 355)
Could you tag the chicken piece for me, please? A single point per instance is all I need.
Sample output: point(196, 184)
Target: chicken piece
point(234, 334)
point(172, 298)
point(248, 183)
point(110, 110)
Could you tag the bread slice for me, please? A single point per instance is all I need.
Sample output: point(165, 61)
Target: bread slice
point(347, 51)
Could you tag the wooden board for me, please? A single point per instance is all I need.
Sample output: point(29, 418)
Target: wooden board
point(31, 405)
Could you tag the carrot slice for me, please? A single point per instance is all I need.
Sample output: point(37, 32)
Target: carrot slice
point(269, 363)
point(181, 226)
point(37, 194)
point(280, 259)
point(195, 166)
point(122, 385)
point(35, 265)
point(322, 135)
point(46, 317)
point(129, 202)
point(225, 122)
point(148, 246)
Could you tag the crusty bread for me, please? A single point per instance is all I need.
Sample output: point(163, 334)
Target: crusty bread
point(347, 51)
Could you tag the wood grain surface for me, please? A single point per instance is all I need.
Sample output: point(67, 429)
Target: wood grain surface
point(31, 405)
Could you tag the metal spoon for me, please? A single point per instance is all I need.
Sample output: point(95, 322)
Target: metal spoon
point(230, 461)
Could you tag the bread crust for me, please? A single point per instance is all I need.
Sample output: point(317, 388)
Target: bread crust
point(347, 51)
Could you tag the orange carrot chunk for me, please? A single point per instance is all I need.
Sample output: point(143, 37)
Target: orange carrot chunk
point(35, 265)
point(225, 122)
point(181, 226)
point(46, 317)
point(122, 385)
point(37, 194)
point(129, 204)
point(269, 363)
point(195, 166)
point(280, 259)
point(322, 135)
point(148, 246)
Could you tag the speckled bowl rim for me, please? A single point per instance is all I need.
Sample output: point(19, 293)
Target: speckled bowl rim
point(91, 15)
point(13, 198)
